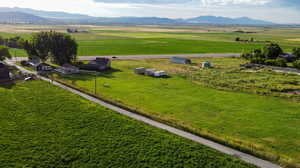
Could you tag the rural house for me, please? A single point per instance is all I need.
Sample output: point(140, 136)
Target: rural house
point(67, 69)
point(98, 65)
point(4, 73)
point(179, 60)
point(37, 65)
point(43, 67)
point(76, 31)
point(34, 62)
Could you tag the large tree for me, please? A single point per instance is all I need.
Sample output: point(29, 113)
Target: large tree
point(38, 46)
point(4, 53)
point(60, 47)
point(272, 51)
point(63, 48)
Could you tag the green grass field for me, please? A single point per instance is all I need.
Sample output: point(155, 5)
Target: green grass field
point(264, 125)
point(45, 126)
point(130, 42)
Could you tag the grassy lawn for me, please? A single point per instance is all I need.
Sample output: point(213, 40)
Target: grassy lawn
point(45, 126)
point(264, 125)
point(104, 42)
point(18, 53)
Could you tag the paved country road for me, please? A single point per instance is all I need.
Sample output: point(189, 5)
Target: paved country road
point(141, 57)
point(227, 150)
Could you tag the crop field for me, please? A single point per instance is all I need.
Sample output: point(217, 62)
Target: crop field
point(221, 103)
point(45, 126)
point(163, 40)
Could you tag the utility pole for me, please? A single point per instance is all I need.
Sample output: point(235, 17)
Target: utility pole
point(95, 84)
point(15, 54)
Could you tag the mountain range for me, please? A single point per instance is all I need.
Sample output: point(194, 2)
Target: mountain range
point(30, 16)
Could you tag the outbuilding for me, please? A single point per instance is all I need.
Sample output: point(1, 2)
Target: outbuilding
point(4, 73)
point(98, 65)
point(150, 72)
point(180, 60)
point(159, 74)
point(140, 70)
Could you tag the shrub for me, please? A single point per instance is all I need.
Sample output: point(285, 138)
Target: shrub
point(271, 62)
point(296, 52)
point(296, 64)
point(276, 62)
point(281, 62)
point(257, 60)
point(24, 63)
point(246, 56)
point(4, 53)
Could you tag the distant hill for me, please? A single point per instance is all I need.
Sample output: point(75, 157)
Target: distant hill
point(21, 18)
point(46, 14)
point(38, 16)
point(225, 20)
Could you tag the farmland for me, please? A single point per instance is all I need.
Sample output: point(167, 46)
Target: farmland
point(44, 126)
point(164, 40)
point(222, 103)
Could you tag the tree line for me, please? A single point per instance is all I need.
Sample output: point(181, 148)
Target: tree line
point(272, 54)
point(12, 42)
point(6, 43)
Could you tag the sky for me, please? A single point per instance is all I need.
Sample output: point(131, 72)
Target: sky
point(278, 11)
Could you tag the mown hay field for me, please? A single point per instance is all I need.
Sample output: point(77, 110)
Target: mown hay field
point(164, 40)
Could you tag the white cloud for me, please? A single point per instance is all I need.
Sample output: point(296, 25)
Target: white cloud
point(73, 6)
point(258, 9)
point(233, 2)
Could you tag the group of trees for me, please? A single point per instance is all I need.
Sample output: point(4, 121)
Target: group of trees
point(238, 39)
point(270, 55)
point(251, 40)
point(61, 48)
point(13, 42)
point(6, 43)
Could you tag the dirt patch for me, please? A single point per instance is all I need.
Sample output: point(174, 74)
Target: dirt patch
point(269, 139)
point(150, 29)
point(14, 29)
point(295, 39)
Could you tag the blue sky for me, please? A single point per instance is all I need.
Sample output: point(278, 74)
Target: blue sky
point(279, 11)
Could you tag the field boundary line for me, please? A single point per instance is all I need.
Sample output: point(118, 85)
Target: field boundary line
point(150, 56)
point(209, 143)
